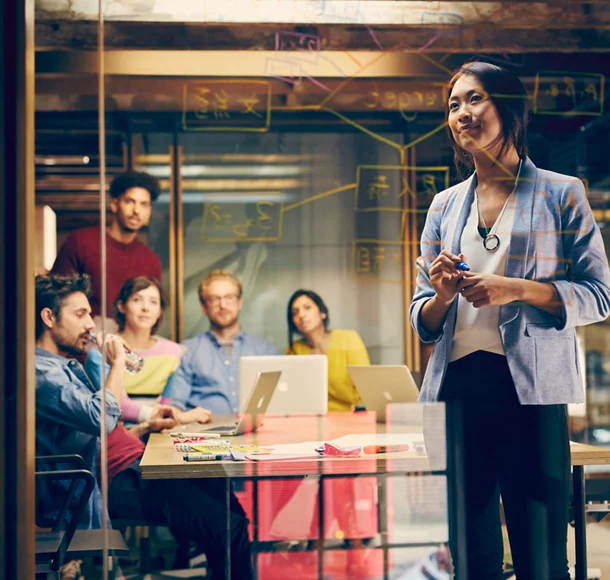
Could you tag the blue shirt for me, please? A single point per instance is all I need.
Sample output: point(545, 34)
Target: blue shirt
point(68, 415)
point(208, 376)
point(554, 240)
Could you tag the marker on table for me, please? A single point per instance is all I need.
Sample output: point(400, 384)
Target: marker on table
point(372, 449)
point(207, 456)
point(203, 435)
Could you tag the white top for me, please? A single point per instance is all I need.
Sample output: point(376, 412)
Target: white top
point(477, 328)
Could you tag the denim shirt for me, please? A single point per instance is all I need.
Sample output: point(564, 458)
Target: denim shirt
point(208, 376)
point(68, 415)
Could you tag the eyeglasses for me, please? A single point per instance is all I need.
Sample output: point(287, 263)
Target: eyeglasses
point(215, 300)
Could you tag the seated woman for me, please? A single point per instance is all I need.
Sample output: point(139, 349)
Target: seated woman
point(308, 316)
point(139, 309)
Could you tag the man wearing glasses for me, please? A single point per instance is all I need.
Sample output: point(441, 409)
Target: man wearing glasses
point(208, 375)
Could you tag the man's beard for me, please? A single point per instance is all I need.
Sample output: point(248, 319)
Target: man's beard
point(222, 325)
point(73, 349)
point(127, 229)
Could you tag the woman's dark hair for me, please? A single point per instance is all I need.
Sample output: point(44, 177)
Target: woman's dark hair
point(51, 291)
point(317, 299)
point(131, 287)
point(125, 181)
point(507, 93)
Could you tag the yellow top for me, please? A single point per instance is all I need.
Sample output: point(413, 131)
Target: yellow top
point(345, 347)
point(160, 363)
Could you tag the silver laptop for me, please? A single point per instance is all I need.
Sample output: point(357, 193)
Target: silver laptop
point(302, 389)
point(254, 411)
point(382, 385)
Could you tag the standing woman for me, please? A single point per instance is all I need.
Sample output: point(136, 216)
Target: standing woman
point(504, 331)
point(308, 317)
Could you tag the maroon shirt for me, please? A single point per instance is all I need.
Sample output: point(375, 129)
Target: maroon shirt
point(81, 254)
point(123, 449)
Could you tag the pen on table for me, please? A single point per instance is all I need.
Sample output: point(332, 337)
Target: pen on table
point(203, 435)
point(207, 456)
point(372, 449)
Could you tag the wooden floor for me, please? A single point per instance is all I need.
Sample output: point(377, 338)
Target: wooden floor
point(598, 547)
point(598, 536)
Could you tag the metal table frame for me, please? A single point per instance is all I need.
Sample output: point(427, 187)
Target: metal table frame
point(582, 455)
point(454, 474)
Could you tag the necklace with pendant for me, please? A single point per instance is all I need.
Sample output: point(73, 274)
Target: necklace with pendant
point(491, 241)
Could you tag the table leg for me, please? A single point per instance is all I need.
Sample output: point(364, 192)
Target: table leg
point(228, 522)
point(321, 526)
point(456, 488)
point(255, 527)
point(580, 524)
point(382, 518)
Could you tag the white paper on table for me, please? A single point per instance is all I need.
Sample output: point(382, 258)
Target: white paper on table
point(281, 457)
point(305, 450)
point(379, 439)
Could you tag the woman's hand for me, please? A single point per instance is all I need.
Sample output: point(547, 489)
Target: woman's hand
point(444, 276)
point(488, 289)
point(196, 415)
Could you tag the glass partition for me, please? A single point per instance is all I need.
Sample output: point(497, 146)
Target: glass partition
point(299, 230)
point(151, 153)
point(299, 145)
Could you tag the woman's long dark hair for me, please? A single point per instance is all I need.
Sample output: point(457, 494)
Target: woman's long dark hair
point(507, 93)
point(317, 299)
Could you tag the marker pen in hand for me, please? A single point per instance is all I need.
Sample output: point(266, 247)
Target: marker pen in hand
point(463, 266)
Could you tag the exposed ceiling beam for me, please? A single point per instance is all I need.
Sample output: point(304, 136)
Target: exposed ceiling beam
point(226, 63)
point(317, 12)
point(517, 32)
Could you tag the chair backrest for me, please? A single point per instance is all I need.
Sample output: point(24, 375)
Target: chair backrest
point(54, 463)
point(61, 525)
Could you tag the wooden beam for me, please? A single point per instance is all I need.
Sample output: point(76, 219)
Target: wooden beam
point(17, 377)
point(556, 30)
point(330, 12)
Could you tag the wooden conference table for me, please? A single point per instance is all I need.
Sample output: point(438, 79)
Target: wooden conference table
point(161, 461)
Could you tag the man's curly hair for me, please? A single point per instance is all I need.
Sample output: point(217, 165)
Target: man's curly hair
point(125, 181)
point(51, 291)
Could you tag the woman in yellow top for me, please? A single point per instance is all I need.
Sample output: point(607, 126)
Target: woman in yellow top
point(308, 317)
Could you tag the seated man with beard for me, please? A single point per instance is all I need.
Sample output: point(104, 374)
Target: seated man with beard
point(68, 420)
point(208, 375)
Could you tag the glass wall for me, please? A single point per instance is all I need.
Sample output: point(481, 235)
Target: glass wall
point(265, 207)
point(301, 148)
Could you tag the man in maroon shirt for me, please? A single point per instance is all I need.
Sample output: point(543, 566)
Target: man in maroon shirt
point(131, 195)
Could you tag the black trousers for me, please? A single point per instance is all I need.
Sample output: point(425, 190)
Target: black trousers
point(195, 510)
point(521, 452)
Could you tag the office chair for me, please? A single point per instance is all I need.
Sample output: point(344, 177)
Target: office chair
point(64, 542)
